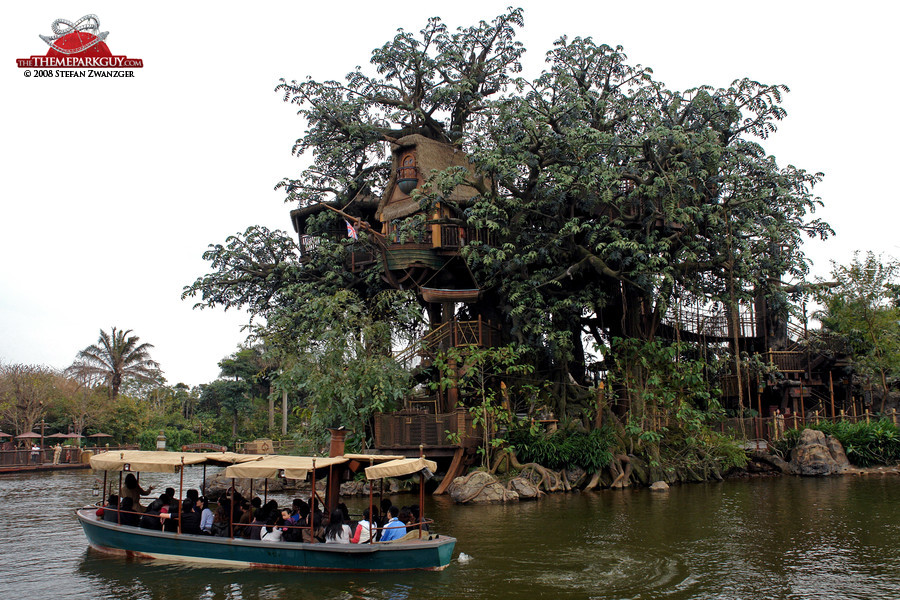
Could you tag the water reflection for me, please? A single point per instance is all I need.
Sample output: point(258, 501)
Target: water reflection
point(765, 538)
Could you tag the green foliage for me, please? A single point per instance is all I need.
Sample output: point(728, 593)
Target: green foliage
point(479, 382)
point(860, 316)
point(175, 438)
point(866, 444)
point(564, 449)
point(115, 358)
point(342, 364)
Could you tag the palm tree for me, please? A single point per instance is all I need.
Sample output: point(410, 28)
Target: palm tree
point(115, 358)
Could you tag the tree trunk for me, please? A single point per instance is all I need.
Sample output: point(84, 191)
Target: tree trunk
point(271, 409)
point(284, 412)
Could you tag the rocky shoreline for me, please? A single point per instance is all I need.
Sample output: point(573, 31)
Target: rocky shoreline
point(816, 455)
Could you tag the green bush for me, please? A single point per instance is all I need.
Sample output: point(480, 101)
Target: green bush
point(866, 444)
point(564, 449)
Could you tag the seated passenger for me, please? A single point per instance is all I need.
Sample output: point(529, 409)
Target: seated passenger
point(272, 531)
point(169, 517)
point(337, 532)
point(150, 518)
point(190, 519)
point(299, 518)
point(254, 529)
point(206, 515)
point(364, 529)
point(220, 525)
point(110, 509)
point(318, 530)
point(416, 518)
point(128, 515)
point(394, 529)
point(243, 521)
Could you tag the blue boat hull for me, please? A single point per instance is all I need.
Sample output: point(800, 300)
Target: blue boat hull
point(433, 554)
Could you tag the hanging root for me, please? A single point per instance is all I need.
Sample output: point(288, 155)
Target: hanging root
point(621, 476)
point(549, 480)
point(508, 458)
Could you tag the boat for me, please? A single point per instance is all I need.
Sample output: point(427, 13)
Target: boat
point(425, 551)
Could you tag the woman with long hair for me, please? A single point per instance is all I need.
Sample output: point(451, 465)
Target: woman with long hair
point(337, 532)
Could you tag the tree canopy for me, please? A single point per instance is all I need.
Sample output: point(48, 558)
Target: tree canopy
point(115, 357)
point(610, 197)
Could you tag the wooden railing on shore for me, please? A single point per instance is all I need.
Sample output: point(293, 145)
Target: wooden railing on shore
point(69, 455)
point(772, 428)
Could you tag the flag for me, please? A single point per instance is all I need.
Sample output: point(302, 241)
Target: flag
point(351, 231)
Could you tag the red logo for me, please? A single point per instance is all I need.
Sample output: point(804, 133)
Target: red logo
point(78, 45)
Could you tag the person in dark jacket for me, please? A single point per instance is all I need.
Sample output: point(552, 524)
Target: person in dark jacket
point(129, 515)
point(190, 519)
point(150, 518)
point(110, 512)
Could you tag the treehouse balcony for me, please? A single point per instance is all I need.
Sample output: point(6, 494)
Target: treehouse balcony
point(356, 260)
point(440, 434)
point(695, 322)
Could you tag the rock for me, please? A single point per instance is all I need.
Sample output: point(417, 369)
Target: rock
point(639, 470)
point(480, 487)
point(659, 486)
point(837, 453)
point(525, 488)
point(812, 457)
point(354, 488)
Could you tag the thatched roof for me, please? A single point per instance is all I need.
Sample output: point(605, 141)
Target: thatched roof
point(430, 156)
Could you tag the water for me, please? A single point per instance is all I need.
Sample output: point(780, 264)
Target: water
point(777, 538)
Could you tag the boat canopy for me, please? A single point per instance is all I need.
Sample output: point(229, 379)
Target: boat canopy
point(145, 462)
point(270, 467)
point(401, 468)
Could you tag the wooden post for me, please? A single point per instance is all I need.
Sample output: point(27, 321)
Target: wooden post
point(231, 511)
point(816, 416)
point(867, 416)
point(852, 408)
point(894, 416)
point(422, 491)
point(284, 412)
point(180, 493)
point(265, 490)
point(802, 407)
point(371, 507)
point(831, 391)
point(312, 505)
point(842, 414)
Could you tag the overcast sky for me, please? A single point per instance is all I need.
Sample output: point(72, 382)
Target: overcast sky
point(111, 189)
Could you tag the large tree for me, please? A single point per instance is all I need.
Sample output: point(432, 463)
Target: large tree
point(611, 197)
point(115, 357)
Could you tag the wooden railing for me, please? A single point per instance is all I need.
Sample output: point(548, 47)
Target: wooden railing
point(455, 334)
point(711, 322)
point(788, 361)
point(409, 429)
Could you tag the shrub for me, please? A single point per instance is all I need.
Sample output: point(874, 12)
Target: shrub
point(866, 444)
point(564, 449)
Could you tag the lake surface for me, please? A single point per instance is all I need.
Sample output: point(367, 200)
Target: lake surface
point(742, 539)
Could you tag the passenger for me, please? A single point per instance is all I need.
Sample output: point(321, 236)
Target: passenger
point(272, 531)
point(129, 516)
point(406, 518)
point(318, 530)
point(190, 519)
point(220, 525)
point(337, 532)
point(244, 520)
point(131, 489)
point(364, 529)
point(110, 512)
point(416, 517)
point(170, 492)
point(385, 511)
point(206, 515)
point(253, 531)
point(298, 519)
point(394, 529)
point(169, 517)
point(150, 518)
point(346, 513)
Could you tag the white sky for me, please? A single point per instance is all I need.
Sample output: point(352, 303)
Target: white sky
point(111, 189)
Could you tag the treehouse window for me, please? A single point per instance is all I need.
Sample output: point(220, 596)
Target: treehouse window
point(407, 173)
